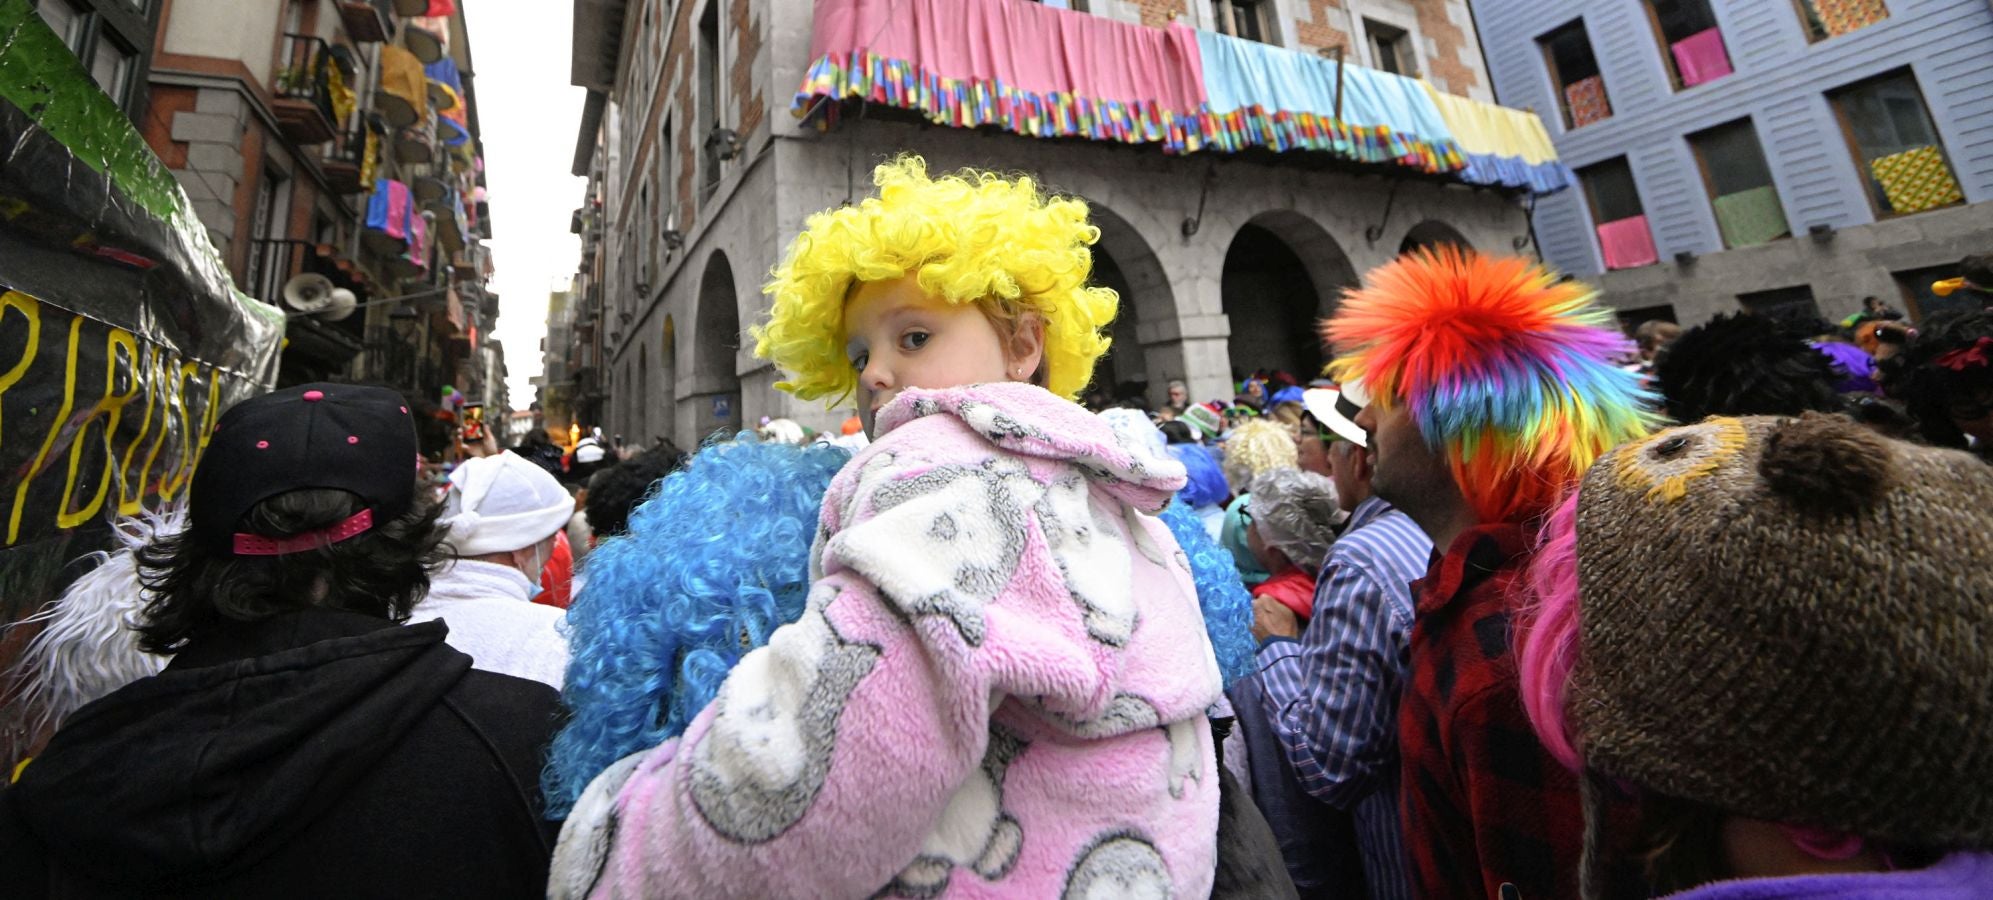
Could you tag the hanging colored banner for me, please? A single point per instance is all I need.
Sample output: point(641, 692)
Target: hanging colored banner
point(122, 335)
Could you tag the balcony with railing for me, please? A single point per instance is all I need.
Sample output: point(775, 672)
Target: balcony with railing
point(1038, 71)
point(368, 21)
point(352, 162)
point(313, 94)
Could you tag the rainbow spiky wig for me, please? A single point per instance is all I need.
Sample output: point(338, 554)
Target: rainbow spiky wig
point(1507, 371)
point(969, 237)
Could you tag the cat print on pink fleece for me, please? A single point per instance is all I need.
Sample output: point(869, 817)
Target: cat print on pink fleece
point(998, 688)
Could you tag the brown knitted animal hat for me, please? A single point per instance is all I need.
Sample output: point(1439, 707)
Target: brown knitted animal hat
point(1792, 619)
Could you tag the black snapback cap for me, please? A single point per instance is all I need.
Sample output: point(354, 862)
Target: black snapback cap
point(327, 436)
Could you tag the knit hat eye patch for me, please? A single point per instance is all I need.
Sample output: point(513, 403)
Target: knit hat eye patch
point(1663, 466)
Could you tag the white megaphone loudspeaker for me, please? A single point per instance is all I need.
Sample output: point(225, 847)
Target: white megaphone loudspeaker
point(314, 295)
point(308, 293)
point(342, 305)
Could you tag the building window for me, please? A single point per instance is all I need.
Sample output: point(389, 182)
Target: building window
point(1793, 306)
point(1691, 44)
point(1391, 48)
point(1746, 202)
point(1920, 295)
point(269, 221)
point(111, 65)
point(1832, 18)
point(1630, 320)
point(1074, 5)
point(1624, 239)
point(66, 21)
point(1893, 140)
point(709, 99)
point(1243, 18)
point(667, 181)
point(643, 230)
point(112, 38)
point(1574, 72)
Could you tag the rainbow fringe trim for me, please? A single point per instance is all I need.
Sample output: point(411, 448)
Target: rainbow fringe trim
point(977, 103)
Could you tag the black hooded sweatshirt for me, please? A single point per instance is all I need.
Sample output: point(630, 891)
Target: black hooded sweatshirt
point(315, 754)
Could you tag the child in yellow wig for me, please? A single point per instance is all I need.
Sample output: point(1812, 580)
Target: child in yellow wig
point(1000, 680)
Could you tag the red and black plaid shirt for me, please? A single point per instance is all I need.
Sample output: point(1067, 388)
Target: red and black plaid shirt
point(1482, 803)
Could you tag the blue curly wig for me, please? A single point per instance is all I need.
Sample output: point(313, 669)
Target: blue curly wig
point(1228, 609)
point(1206, 485)
point(713, 562)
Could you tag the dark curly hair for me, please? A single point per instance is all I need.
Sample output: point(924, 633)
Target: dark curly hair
point(613, 492)
point(1744, 365)
point(383, 572)
point(1929, 390)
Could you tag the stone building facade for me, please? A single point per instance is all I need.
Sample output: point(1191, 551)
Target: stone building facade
point(699, 176)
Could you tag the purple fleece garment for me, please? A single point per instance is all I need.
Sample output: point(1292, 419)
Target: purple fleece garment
point(998, 688)
point(1960, 876)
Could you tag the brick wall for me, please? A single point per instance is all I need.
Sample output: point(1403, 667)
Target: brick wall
point(1451, 45)
point(1322, 27)
point(1158, 13)
point(683, 193)
point(740, 82)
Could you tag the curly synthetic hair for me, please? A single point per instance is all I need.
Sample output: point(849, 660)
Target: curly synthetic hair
point(1255, 448)
point(1508, 372)
point(615, 491)
point(713, 563)
point(1221, 594)
point(1296, 514)
point(1743, 365)
point(1204, 481)
point(382, 572)
point(969, 237)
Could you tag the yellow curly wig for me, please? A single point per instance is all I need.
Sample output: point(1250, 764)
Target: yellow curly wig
point(1255, 447)
point(969, 237)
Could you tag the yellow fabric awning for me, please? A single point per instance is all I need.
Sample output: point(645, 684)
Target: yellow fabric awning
point(1490, 130)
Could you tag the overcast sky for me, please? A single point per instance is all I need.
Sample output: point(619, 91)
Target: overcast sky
point(529, 114)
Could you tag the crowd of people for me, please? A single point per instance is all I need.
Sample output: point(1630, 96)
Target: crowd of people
point(1502, 603)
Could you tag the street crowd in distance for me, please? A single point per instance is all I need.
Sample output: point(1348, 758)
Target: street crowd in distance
point(1503, 602)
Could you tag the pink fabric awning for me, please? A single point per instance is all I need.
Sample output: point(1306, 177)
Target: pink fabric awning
point(1026, 46)
point(1701, 58)
point(1628, 244)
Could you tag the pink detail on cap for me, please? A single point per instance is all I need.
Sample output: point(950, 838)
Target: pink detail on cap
point(404, 410)
point(352, 439)
point(262, 445)
point(258, 545)
point(314, 396)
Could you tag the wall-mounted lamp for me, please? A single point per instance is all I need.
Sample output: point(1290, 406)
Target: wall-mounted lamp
point(1193, 222)
point(1821, 232)
point(674, 240)
point(1684, 258)
point(724, 143)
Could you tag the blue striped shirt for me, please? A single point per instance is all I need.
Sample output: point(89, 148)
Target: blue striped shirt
point(1332, 696)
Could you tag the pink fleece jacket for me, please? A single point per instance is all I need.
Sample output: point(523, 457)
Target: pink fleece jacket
point(998, 689)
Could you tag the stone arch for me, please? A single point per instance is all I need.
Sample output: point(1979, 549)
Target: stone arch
point(1124, 261)
point(1433, 233)
point(1283, 273)
point(713, 393)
